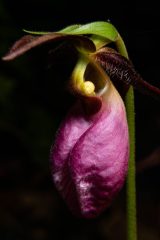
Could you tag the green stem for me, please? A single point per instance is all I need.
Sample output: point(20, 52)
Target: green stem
point(131, 183)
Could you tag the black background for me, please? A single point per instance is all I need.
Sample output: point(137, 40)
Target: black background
point(33, 100)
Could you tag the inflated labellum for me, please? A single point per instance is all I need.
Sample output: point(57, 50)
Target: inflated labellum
point(89, 157)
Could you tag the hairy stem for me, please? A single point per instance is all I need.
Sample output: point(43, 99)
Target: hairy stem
point(131, 181)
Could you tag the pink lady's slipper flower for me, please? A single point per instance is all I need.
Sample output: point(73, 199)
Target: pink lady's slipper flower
point(90, 155)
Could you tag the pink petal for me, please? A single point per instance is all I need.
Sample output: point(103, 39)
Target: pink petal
point(90, 156)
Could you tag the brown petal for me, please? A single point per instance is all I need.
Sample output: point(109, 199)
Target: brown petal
point(122, 72)
point(28, 41)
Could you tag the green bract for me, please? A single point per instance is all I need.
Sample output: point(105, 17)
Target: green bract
point(102, 29)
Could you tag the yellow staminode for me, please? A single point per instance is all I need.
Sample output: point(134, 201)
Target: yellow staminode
point(78, 80)
point(88, 88)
